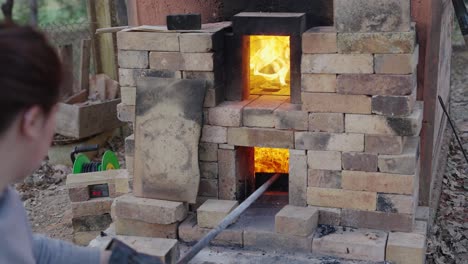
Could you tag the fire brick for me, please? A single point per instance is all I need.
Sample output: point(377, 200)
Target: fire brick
point(372, 15)
point(128, 95)
point(209, 170)
point(258, 137)
point(359, 161)
point(212, 212)
point(128, 77)
point(171, 61)
point(406, 248)
point(319, 83)
point(319, 40)
point(228, 114)
point(336, 103)
point(233, 169)
point(390, 105)
point(326, 122)
point(328, 216)
point(151, 41)
point(126, 113)
point(324, 178)
point(97, 206)
point(382, 42)
point(200, 61)
point(376, 84)
point(290, 116)
point(297, 178)
point(208, 187)
point(208, 151)
point(324, 160)
point(130, 227)
point(395, 203)
point(329, 141)
point(404, 163)
point(259, 113)
point(201, 42)
point(78, 194)
point(130, 145)
point(296, 221)
point(381, 144)
point(338, 198)
point(337, 63)
point(377, 182)
point(133, 59)
point(396, 63)
point(377, 220)
point(214, 134)
point(269, 240)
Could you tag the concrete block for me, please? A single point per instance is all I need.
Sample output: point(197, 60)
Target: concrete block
point(133, 59)
point(391, 105)
point(128, 95)
point(260, 137)
point(324, 160)
point(377, 182)
point(259, 113)
point(326, 122)
point(328, 216)
point(359, 161)
point(376, 84)
point(228, 114)
point(201, 42)
point(383, 125)
point(394, 203)
point(406, 248)
point(209, 170)
point(190, 232)
point(296, 221)
point(297, 178)
point(212, 212)
point(128, 77)
point(336, 103)
point(267, 240)
point(372, 15)
point(97, 206)
point(208, 187)
point(149, 210)
point(404, 163)
point(381, 42)
point(324, 178)
point(337, 63)
point(329, 141)
point(360, 244)
point(132, 227)
point(148, 41)
point(319, 40)
point(208, 151)
point(381, 144)
point(377, 220)
point(336, 198)
point(396, 63)
point(290, 116)
point(214, 134)
point(91, 223)
point(318, 83)
point(171, 61)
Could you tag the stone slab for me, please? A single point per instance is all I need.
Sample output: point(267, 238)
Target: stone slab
point(267, 240)
point(170, 171)
point(328, 216)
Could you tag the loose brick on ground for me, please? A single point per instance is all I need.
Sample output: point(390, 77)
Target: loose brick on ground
point(212, 212)
point(131, 227)
point(406, 248)
point(296, 221)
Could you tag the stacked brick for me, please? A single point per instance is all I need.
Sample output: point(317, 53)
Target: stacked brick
point(359, 87)
point(90, 215)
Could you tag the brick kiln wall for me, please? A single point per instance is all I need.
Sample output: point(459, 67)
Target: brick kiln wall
point(354, 141)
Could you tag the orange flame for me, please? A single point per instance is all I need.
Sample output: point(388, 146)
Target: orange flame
point(271, 160)
point(270, 61)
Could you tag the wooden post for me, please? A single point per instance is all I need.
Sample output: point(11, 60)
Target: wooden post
point(66, 55)
point(85, 57)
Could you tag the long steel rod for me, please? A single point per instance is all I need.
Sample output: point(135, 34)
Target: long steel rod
point(228, 220)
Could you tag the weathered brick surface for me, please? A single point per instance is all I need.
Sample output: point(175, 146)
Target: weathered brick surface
point(212, 212)
point(396, 63)
point(228, 114)
point(377, 182)
point(128, 95)
point(394, 203)
point(372, 15)
point(201, 42)
point(118, 178)
point(175, 61)
point(133, 59)
point(404, 163)
point(324, 178)
point(148, 41)
point(319, 83)
point(130, 145)
point(329, 141)
point(213, 97)
point(383, 125)
point(91, 223)
point(250, 137)
point(208, 188)
point(352, 244)
point(336, 103)
point(381, 144)
point(148, 210)
point(359, 161)
point(226, 146)
point(209, 170)
point(208, 151)
point(337, 63)
point(319, 40)
point(390, 105)
point(377, 220)
point(200, 61)
point(296, 221)
point(267, 240)
point(337, 198)
point(190, 232)
point(172, 61)
point(96, 206)
point(128, 77)
point(406, 248)
point(324, 160)
point(78, 194)
point(259, 113)
point(376, 84)
point(328, 216)
point(214, 134)
point(290, 116)
point(214, 79)
point(326, 122)
point(386, 42)
point(234, 167)
point(126, 113)
point(129, 227)
point(297, 178)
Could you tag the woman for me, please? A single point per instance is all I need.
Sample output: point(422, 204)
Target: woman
point(30, 78)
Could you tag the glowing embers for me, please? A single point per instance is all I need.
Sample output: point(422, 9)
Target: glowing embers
point(271, 160)
point(269, 65)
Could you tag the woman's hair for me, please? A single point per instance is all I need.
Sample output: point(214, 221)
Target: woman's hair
point(30, 72)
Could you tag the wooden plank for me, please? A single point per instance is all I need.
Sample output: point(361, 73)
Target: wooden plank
point(66, 55)
point(132, 13)
point(85, 57)
point(90, 4)
point(107, 42)
point(80, 97)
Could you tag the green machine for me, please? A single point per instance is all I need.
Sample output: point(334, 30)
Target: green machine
point(82, 164)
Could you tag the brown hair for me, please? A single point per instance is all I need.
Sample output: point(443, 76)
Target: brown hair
point(30, 72)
